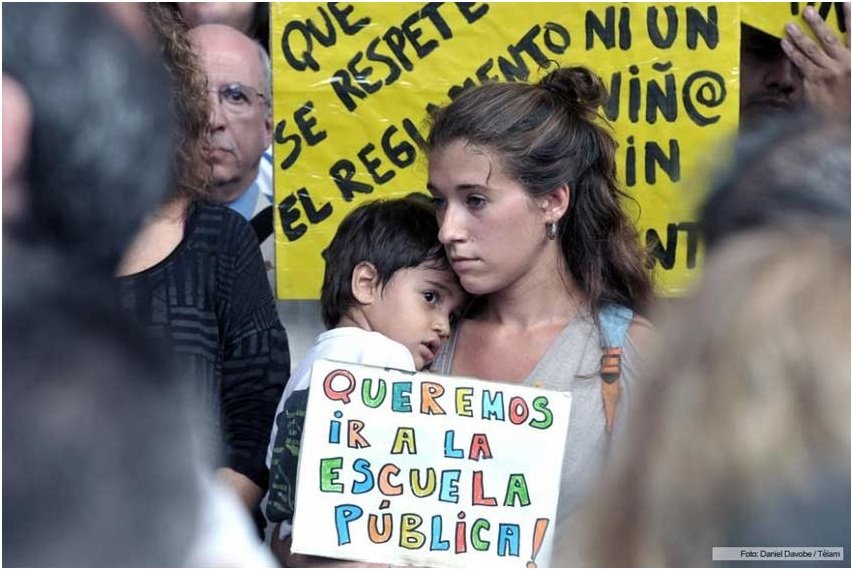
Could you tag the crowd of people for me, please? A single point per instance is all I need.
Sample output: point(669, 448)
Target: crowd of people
point(150, 416)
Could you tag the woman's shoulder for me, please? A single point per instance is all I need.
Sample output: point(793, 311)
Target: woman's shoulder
point(222, 228)
point(209, 214)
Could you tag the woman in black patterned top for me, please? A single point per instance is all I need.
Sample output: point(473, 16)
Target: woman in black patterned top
point(194, 276)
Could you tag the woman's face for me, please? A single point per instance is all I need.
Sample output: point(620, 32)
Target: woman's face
point(492, 229)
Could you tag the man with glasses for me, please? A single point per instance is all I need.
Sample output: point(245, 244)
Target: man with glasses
point(239, 78)
point(238, 82)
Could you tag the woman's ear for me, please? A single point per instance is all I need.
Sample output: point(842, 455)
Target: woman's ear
point(558, 201)
point(554, 204)
point(365, 283)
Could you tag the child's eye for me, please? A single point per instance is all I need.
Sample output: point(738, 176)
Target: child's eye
point(431, 297)
point(438, 202)
point(475, 201)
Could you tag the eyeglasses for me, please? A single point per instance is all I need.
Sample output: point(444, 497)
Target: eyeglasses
point(237, 98)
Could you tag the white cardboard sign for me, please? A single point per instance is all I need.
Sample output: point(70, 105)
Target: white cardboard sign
point(419, 469)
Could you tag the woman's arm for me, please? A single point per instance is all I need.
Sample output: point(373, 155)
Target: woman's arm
point(255, 360)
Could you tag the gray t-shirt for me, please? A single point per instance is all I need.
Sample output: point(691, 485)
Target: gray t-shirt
point(572, 363)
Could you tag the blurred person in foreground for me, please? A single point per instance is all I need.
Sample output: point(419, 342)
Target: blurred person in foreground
point(86, 124)
point(102, 467)
point(741, 434)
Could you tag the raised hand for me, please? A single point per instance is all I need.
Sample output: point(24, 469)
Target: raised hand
point(824, 66)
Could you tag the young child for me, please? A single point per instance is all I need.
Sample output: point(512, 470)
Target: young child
point(388, 299)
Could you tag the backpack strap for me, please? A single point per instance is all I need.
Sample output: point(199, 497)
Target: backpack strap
point(615, 321)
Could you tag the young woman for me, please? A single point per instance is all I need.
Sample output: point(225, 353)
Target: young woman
point(531, 216)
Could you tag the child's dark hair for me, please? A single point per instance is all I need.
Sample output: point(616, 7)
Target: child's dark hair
point(391, 234)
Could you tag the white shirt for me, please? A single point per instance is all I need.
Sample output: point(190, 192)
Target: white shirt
point(253, 201)
point(350, 345)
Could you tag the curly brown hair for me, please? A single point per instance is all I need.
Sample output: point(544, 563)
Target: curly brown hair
point(192, 169)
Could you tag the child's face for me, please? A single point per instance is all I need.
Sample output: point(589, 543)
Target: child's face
point(415, 307)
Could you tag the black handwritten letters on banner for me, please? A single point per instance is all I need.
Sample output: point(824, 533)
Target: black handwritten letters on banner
point(353, 85)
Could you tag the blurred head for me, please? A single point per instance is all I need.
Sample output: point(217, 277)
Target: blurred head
point(238, 76)
point(238, 15)
point(769, 81)
point(89, 137)
point(507, 160)
point(385, 261)
point(191, 106)
point(744, 413)
point(131, 17)
point(791, 173)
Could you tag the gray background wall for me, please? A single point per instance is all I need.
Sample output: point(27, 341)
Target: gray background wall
point(303, 322)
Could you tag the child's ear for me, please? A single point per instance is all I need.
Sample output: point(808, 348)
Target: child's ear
point(365, 283)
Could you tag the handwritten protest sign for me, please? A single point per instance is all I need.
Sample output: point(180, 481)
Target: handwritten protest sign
point(418, 469)
point(772, 17)
point(353, 84)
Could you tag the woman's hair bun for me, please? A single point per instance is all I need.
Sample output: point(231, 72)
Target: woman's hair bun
point(577, 86)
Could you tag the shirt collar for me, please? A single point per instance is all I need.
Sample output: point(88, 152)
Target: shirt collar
point(246, 203)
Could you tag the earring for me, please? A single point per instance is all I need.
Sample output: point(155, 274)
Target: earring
point(551, 231)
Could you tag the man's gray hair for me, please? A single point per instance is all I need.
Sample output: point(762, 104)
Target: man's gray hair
point(267, 76)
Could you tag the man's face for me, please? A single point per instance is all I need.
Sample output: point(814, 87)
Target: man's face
point(769, 81)
point(242, 127)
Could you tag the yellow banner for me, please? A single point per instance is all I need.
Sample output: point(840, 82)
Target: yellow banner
point(772, 17)
point(353, 82)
